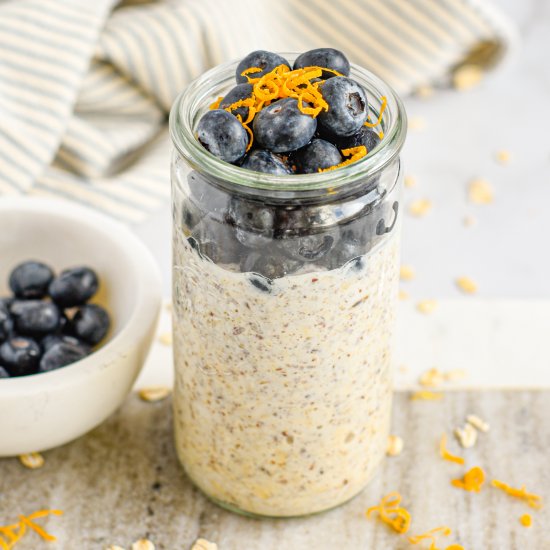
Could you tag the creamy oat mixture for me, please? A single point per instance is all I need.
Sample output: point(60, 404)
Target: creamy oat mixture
point(282, 397)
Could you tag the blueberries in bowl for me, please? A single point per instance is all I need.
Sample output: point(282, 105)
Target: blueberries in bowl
point(39, 329)
point(238, 93)
point(73, 287)
point(30, 280)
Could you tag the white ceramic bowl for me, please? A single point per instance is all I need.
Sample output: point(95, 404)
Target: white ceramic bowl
point(42, 411)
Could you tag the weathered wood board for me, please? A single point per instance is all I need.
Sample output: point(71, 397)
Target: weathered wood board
point(122, 482)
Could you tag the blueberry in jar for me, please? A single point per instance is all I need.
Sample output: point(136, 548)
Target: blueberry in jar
point(328, 58)
point(30, 280)
point(4, 373)
point(60, 355)
point(315, 156)
point(365, 136)
point(35, 317)
point(261, 160)
point(270, 265)
point(90, 324)
point(20, 356)
point(216, 241)
point(252, 222)
point(221, 133)
point(238, 93)
point(73, 287)
point(282, 127)
point(261, 59)
point(348, 107)
point(308, 248)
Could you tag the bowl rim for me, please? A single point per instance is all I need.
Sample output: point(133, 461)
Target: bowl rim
point(145, 308)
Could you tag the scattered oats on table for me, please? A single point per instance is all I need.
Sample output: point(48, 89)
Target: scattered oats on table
point(416, 123)
point(477, 423)
point(165, 338)
point(431, 378)
point(403, 295)
point(425, 395)
point(154, 393)
point(455, 374)
point(425, 91)
point(467, 436)
point(143, 544)
point(502, 156)
point(406, 273)
point(420, 207)
point(114, 547)
point(32, 460)
point(203, 544)
point(469, 221)
point(409, 181)
point(395, 445)
point(466, 285)
point(480, 191)
point(467, 77)
point(426, 306)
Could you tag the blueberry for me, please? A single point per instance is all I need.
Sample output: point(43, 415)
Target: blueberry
point(316, 155)
point(266, 61)
point(30, 280)
point(261, 160)
point(269, 265)
point(4, 373)
point(324, 57)
point(90, 324)
point(348, 106)
point(74, 287)
point(54, 339)
point(308, 248)
point(381, 227)
point(253, 222)
point(223, 135)
point(60, 355)
point(216, 242)
point(6, 322)
point(35, 317)
point(20, 356)
point(191, 215)
point(239, 92)
point(282, 127)
point(261, 283)
point(365, 136)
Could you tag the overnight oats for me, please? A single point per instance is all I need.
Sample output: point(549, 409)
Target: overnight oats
point(286, 210)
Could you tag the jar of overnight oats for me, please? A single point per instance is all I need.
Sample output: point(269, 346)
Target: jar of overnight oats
point(284, 291)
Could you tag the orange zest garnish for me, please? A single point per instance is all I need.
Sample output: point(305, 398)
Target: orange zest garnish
point(431, 535)
point(445, 454)
point(380, 114)
point(216, 104)
point(389, 511)
point(11, 534)
point(455, 547)
point(425, 395)
point(354, 154)
point(472, 481)
point(534, 501)
point(526, 520)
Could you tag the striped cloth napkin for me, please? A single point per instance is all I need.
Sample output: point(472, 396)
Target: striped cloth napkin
point(86, 86)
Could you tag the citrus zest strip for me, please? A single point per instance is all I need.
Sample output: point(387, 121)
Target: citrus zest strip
point(354, 154)
point(472, 481)
point(534, 501)
point(445, 454)
point(380, 114)
point(389, 511)
point(16, 531)
point(431, 535)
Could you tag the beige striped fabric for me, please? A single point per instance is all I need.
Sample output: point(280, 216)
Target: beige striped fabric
point(85, 86)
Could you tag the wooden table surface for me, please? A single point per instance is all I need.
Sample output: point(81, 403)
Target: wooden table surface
point(122, 482)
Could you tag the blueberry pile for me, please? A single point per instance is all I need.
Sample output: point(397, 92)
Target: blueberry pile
point(47, 323)
point(289, 135)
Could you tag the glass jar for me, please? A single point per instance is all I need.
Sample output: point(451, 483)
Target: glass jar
point(284, 291)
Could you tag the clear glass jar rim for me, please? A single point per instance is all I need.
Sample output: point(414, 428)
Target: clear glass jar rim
point(182, 121)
